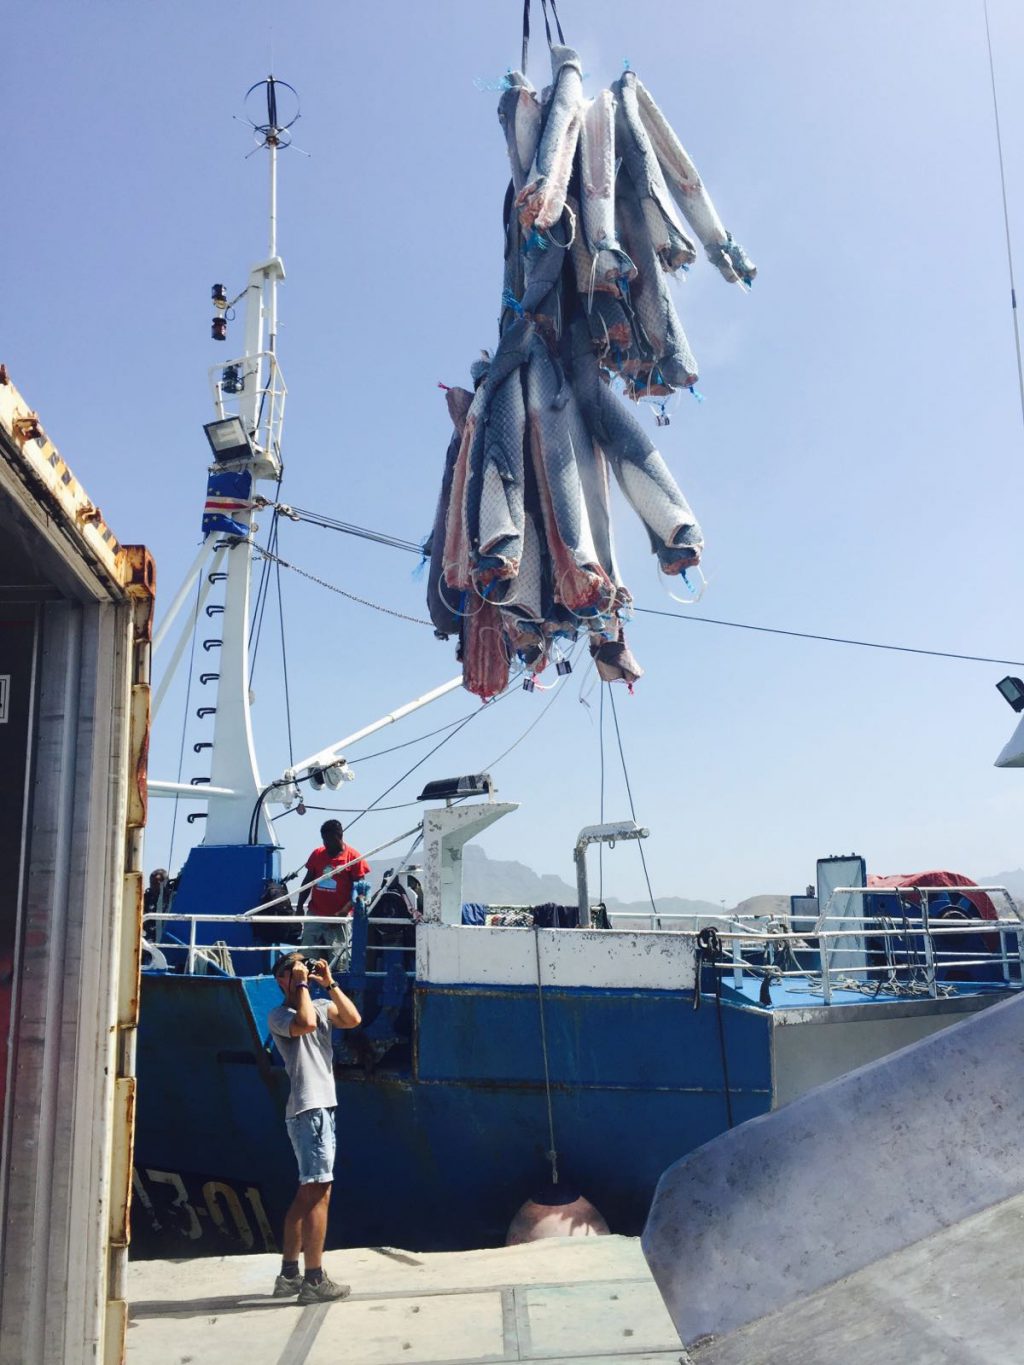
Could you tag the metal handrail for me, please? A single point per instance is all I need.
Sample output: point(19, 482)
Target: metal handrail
point(194, 949)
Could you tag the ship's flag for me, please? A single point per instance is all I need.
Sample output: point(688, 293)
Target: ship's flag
point(228, 492)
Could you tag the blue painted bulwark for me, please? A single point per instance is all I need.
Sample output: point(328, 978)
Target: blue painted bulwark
point(223, 879)
point(441, 1142)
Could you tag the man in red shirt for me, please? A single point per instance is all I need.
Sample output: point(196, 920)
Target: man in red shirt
point(332, 894)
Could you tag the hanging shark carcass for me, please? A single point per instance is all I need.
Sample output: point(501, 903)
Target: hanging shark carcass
point(603, 207)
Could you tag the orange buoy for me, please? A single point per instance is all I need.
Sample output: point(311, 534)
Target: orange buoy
point(555, 1211)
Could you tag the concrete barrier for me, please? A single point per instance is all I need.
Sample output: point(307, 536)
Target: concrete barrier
point(850, 1172)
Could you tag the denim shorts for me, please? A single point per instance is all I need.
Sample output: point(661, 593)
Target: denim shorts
point(312, 1135)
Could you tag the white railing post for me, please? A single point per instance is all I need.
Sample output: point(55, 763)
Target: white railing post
point(191, 962)
point(929, 943)
point(826, 976)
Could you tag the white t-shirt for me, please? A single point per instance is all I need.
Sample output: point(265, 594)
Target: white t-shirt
point(308, 1059)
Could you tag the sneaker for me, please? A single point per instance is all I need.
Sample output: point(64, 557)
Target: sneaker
point(323, 1292)
point(285, 1286)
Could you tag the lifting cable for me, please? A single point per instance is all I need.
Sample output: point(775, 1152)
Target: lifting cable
point(395, 543)
point(284, 669)
point(829, 639)
point(322, 582)
point(409, 771)
point(453, 727)
point(263, 586)
point(600, 745)
point(632, 808)
point(1006, 213)
point(350, 529)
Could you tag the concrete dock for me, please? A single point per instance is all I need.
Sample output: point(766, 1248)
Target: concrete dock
point(575, 1300)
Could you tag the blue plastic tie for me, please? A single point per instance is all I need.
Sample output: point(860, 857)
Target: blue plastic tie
point(487, 86)
point(509, 300)
point(536, 242)
point(699, 396)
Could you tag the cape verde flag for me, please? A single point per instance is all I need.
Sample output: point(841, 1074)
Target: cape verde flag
point(227, 494)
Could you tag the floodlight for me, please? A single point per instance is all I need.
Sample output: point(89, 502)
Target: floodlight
point(337, 773)
point(1013, 691)
point(449, 788)
point(229, 440)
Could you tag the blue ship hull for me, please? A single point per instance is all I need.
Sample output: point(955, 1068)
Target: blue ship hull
point(438, 1149)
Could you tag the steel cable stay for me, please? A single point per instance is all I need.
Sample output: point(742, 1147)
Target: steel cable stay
point(600, 847)
point(331, 587)
point(454, 727)
point(284, 670)
point(829, 639)
point(673, 615)
point(632, 808)
point(262, 593)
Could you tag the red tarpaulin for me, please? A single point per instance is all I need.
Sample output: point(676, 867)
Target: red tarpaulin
point(978, 899)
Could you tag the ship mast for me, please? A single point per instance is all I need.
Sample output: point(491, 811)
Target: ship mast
point(255, 382)
point(245, 438)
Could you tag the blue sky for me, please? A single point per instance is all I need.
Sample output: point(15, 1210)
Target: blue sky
point(856, 464)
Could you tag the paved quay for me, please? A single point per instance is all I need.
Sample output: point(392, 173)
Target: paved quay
point(575, 1300)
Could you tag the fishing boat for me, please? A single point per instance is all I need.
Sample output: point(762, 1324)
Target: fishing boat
point(504, 1055)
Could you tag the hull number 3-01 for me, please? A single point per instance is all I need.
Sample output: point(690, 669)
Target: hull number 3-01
point(221, 1211)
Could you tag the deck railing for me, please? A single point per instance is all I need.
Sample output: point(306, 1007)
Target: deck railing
point(213, 954)
point(905, 953)
point(911, 951)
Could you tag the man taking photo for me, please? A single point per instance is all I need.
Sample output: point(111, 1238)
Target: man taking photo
point(301, 1028)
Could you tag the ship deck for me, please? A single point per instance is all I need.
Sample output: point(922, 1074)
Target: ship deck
point(796, 993)
point(573, 1300)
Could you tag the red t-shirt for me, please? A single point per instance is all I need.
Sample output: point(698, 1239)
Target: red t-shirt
point(331, 895)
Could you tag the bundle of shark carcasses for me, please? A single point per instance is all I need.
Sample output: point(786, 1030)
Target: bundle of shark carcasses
point(521, 554)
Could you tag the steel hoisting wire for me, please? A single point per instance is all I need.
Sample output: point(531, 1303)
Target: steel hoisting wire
point(601, 816)
point(533, 723)
point(409, 771)
point(284, 670)
point(351, 529)
point(1006, 213)
point(828, 639)
point(547, 27)
point(394, 542)
point(263, 587)
point(331, 587)
point(552, 1152)
point(453, 726)
point(632, 809)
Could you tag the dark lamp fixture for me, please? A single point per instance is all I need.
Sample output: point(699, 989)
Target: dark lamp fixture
point(1013, 691)
point(232, 380)
point(228, 440)
point(219, 329)
point(449, 788)
point(563, 667)
point(219, 295)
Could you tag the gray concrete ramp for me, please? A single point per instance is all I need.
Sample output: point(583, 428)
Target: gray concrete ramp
point(575, 1300)
point(849, 1174)
point(956, 1298)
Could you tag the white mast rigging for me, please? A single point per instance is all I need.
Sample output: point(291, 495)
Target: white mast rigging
point(249, 398)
